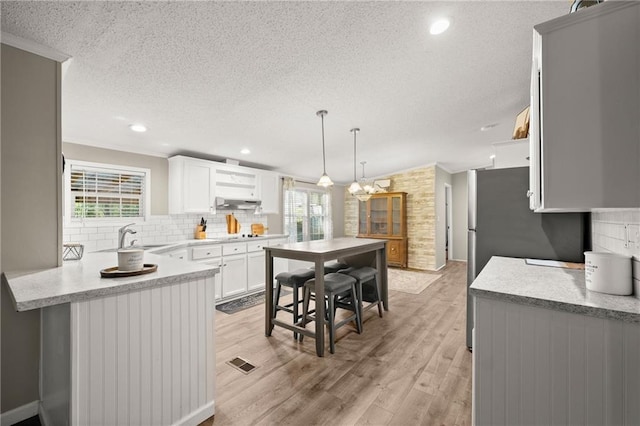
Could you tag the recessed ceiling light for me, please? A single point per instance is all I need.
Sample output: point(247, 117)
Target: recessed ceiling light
point(439, 26)
point(245, 151)
point(488, 127)
point(138, 128)
point(166, 144)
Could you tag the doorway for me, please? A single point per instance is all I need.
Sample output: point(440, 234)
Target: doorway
point(448, 222)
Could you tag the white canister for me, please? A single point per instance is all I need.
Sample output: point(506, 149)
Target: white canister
point(130, 259)
point(608, 273)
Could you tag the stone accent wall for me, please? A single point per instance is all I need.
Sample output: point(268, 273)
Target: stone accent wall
point(419, 184)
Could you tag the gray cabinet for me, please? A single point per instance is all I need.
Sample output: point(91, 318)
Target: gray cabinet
point(585, 109)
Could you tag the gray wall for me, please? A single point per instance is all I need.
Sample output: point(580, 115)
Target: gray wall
point(31, 186)
point(442, 177)
point(159, 168)
point(459, 216)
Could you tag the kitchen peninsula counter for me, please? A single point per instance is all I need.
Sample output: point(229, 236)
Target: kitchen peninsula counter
point(129, 350)
point(79, 280)
point(562, 289)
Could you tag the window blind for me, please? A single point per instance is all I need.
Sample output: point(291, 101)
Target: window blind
point(108, 193)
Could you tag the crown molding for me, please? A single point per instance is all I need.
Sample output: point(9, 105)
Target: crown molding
point(33, 47)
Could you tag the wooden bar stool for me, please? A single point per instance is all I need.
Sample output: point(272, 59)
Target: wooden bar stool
point(367, 287)
point(334, 284)
point(295, 280)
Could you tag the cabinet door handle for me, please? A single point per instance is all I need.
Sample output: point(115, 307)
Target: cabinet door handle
point(208, 253)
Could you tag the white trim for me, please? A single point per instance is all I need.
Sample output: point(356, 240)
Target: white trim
point(448, 207)
point(512, 142)
point(19, 414)
point(199, 415)
point(120, 148)
point(45, 419)
point(33, 47)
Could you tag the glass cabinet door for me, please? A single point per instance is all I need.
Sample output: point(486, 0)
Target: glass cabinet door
point(378, 220)
point(396, 216)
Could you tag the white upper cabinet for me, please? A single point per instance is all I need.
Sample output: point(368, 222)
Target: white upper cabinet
point(585, 110)
point(191, 185)
point(270, 192)
point(237, 182)
point(194, 185)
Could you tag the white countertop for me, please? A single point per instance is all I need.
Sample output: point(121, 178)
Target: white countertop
point(561, 289)
point(78, 280)
point(193, 243)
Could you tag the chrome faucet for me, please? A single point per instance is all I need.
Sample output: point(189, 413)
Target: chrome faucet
point(122, 232)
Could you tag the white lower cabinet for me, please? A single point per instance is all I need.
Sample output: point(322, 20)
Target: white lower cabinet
point(537, 366)
point(234, 275)
point(279, 264)
point(242, 265)
point(255, 271)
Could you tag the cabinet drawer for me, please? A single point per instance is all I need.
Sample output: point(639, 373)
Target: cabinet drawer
point(178, 254)
point(235, 248)
point(256, 245)
point(277, 241)
point(198, 253)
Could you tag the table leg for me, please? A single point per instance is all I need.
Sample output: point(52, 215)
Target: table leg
point(319, 290)
point(381, 266)
point(268, 292)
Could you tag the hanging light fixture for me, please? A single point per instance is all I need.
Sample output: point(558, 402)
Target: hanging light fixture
point(355, 187)
point(325, 180)
point(367, 188)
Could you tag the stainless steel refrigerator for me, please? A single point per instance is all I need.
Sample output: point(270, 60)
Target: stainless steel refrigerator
point(501, 224)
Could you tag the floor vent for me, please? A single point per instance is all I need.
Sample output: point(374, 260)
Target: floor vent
point(242, 364)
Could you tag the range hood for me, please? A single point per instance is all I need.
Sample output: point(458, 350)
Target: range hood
point(236, 204)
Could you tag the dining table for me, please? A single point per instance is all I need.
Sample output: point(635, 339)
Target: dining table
point(319, 252)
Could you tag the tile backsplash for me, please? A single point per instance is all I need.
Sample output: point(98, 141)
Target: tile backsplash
point(155, 230)
point(618, 231)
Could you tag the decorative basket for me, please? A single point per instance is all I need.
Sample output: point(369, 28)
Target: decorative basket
point(72, 251)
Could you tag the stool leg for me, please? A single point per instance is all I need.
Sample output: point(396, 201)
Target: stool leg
point(305, 309)
point(332, 323)
point(357, 303)
point(377, 288)
point(276, 300)
point(296, 316)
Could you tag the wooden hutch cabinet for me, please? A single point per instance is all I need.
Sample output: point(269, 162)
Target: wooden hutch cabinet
point(385, 216)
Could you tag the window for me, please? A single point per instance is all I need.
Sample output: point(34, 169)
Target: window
point(307, 214)
point(104, 191)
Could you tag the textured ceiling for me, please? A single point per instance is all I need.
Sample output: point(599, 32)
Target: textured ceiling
point(210, 78)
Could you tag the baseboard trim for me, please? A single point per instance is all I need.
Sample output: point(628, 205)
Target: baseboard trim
point(19, 414)
point(198, 416)
point(45, 420)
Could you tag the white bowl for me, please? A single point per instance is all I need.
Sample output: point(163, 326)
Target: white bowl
point(130, 259)
point(608, 273)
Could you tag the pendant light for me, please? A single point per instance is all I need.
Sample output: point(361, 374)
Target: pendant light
point(325, 180)
point(355, 187)
point(367, 189)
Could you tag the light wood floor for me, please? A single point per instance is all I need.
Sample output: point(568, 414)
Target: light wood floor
point(410, 367)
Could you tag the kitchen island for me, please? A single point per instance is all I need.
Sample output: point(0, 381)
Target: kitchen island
point(548, 351)
point(134, 350)
point(319, 252)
